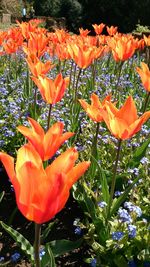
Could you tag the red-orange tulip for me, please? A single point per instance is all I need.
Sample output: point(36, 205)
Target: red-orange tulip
point(111, 30)
point(98, 28)
point(46, 144)
point(123, 47)
point(94, 110)
point(81, 54)
point(42, 193)
point(37, 67)
point(124, 123)
point(145, 75)
point(51, 91)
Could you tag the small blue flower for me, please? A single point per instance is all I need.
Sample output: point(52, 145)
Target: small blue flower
point(117, 193)
point(2, 259)
point(117, 235)
point(147, 264)
point(102, 204)
point(132, 263)
point(132, 230)
point(42, 253)
point(124, 216)
point(93, 263)
point(78, 230)
point(15, 257)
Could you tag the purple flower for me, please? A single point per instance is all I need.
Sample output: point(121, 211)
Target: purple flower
point(132, 263)
point(78, 230)
point(132, 230)
point(93, 263)
point(124, 216)
point(117, 235)
point(102, 204)
point(15, 257)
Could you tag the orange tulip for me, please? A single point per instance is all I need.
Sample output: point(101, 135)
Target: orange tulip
point(123, 47)
point(51, 91)
point(147, 40)
point(111, 30)
point(123, 123)
point(81, 54)
point(145, 75)
point(83, 32)
point(45, 144)
point(94, 110)
point(42, 193)
point(37, 67)
point(98, 28)
point(37, 44)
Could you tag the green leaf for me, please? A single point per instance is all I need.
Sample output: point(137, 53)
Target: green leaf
point(117, 203)
point(2, 195)
point(104, 184)
point(48, 258)
point(120, 261)
point(139, 154)
point(60, 247)
point(20, 239)
point(47, 230)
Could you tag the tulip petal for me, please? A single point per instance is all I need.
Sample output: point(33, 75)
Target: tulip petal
point(128, 112)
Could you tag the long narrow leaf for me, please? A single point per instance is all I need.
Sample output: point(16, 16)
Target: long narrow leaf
point(60, 247)
point(48, 259)
point(122, 198)
point(20, 239)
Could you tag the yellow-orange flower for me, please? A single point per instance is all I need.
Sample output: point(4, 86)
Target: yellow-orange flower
point(42, 193)
point(111, 30)
point(37, 67)
point(93, 110)
point(51, 91)
point(98, 28)
point(123, 123)
point(81, 54)
point(123, 47)
point(144, 75)
point(46, 144)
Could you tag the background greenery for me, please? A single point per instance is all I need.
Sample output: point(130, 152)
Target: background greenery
point(126, 14)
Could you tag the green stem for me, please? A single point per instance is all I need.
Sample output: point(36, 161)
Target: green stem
point(146, 102)
point(118, 79)
point(76, 88)
point(113, 182)
point(49, 116)
point(37, 245)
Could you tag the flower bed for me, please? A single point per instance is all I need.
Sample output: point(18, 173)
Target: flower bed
point(71, 106)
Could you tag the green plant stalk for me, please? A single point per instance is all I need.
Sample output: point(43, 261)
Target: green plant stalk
point(146, 102)
point(49, 116)
point(37, 245)
point(76, 87)
point(70, 77)
point(113, 183)
point(118, 79)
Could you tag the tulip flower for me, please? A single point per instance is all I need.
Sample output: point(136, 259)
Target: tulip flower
point(51, 91)
point(144, 73)
point(123, 123)
point(123, 47)
point(37, 67)
point(111, 30)
point(46, 144)
point(42, 193)
point(81, 54)
point(98, 28)
point(94, 110)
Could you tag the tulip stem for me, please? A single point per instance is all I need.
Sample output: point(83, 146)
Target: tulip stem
point(49, 116)
point(146, 102)
point(37, 245)
point(113, 182)
point(76, 88)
